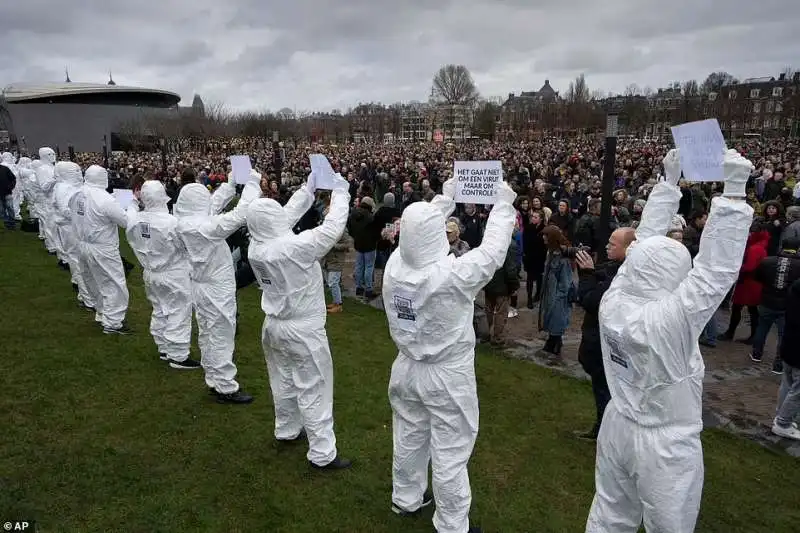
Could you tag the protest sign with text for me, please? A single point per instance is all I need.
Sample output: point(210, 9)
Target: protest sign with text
point(323, 171)
point(241, 167)
point(476, 181)
point(702, 150)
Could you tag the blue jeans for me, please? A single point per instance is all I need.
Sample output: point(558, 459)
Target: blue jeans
point(709, 333)
point(767, 317)
point(335, 285)
point(7, 208)
point(365, 268)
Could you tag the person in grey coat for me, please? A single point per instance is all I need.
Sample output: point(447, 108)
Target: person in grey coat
point(556, 308)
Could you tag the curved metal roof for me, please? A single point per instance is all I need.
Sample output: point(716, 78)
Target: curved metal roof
point(21, 92)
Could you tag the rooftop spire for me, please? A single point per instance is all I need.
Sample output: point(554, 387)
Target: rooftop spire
point(66, 71)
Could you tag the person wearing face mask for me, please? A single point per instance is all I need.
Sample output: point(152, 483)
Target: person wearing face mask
point(649, 455)
point(153, 235)
point(98, 215)
point(203, 231)
point(295, 343)
point(45, 179)
point(69, 182)
point(429, 297)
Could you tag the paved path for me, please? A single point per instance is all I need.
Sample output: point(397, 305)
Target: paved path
point(738, 395)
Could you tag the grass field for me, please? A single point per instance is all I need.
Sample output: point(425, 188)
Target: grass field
point(100, 436)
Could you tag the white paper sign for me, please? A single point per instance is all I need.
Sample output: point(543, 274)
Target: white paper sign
point(476, 181)
point(702, 150)
point(323, 171)
point(241, 167)
point(124, 197)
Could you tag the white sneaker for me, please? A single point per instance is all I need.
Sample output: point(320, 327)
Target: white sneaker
point(791, 432)
point(512, 313)
point(775, 422)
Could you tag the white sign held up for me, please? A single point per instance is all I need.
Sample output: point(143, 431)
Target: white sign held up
point(241, 167)
point(702, 150)
point(124, 197)
point(477, 181)
point(323, 171)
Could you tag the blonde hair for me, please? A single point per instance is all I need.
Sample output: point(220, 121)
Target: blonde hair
point(547, 212)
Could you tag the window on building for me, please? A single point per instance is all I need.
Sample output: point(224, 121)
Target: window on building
point(756, 107)
point(754, 93)
point(770, 106)
point(732, 95)
point(777, 92)
point(712, 96)
point(778, 107)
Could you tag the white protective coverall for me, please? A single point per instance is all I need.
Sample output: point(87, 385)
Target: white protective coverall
point(153, 236)
point(16, 197)
point(25, 175)
point(98, 215)
point(37, 196)
point(203, 232)
point(45, 178)
point(295, 344)
point(429, 297)
point(69, 180)
point(649, 455)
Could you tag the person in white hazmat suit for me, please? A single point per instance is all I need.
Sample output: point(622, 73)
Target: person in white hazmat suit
point(25, 173)
point(649, 456)
point(153, 236)
point(97, 215)
point(429, 297)
point(287, 268)
point(16, 197)
point(45, 178)
point(203, 231)
point(69, 180)
point(37, 197)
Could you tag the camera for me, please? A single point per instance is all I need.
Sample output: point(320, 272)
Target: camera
point(572, 251)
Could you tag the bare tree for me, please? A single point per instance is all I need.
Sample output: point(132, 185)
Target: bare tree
point(716, 80)
point(691, 88)
point(788, 72)
point(453, 84)
point(578, 92)
point(632, 90)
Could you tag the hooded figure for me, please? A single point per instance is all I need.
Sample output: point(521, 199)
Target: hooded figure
point(37, 196)
point(45, 178)
point(296, 347)
point(203, 231)
point(429, 297)
point(69, 180)
point(97, 215)
point(153, 236)
point(25, 174)
point(649, 455)
point(8, 161)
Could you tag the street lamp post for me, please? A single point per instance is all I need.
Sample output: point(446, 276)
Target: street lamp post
point(609, 168)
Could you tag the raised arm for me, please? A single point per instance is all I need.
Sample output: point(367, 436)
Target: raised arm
point(321, 239)
point(475, 268)
point(221, 198)
point(445, 202)
point(222, 226)
point(662, 204)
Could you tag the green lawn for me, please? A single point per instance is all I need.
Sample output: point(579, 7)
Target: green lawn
point(101, 436)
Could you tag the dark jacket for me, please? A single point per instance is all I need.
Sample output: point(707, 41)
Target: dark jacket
point(473, 229)
point(587, 231)
point(591, 287)
point(7, 181)
point(775, 230)
point(361, 227)
point(791, 337)
point(534, 251)
point(385, 215)
point(777, 273)
point(691, 239)
point(505, 281)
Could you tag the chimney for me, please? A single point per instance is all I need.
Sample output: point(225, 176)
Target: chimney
point(782, 77)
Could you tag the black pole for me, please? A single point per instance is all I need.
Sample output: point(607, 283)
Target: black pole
point(164, 156)
point(105, 151)
point(71, 152)
point(609, 169)
point(58, 153)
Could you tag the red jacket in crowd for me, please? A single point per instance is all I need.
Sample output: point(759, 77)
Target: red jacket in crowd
point(748, 290)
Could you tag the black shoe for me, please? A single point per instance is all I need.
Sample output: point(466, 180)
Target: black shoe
point(188, 364)
point(359, 292)
point(63, 265)
point(369, 295)
point(530, 304)
point(51, 253)
point(590, 436)
point(163, 357)
point(75, 287)
point(777, 367)
point(707, 344)
point(727, 336)
point(122, 330)
point(427, 500)
point(299, 438)
point(475, 529)
point(237, 397)
point(748, 341)
point(82, 305)
point(338, 463)
point(756, 358)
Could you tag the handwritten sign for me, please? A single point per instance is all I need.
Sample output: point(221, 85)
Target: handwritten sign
point(241, 167)
point(476, 181)
point(323, 171)
point(124, 197)
point(702, 150)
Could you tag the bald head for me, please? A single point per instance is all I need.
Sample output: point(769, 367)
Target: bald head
point(618, 243)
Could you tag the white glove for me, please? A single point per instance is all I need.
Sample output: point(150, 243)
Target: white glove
point(254, 176)
point(737, 171)
point(311, 184)
point(672, 167)
point(505, 193)
point(449, 188)
point(340, 184)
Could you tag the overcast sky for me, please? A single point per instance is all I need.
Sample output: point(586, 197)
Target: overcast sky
point(324, 54)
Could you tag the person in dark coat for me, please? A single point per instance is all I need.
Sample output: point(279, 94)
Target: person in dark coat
point(472, 223)
point(7, 184)
point(385, 216)
point(789, 393)
point(498, 291)
point(747, 292)
point(534, 254)
point(773, 216)
point(562, 218)
point(593, 283)
point(555, 308)
point(361, 226)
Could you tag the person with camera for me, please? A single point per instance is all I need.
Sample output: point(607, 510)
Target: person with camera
point(593, 282)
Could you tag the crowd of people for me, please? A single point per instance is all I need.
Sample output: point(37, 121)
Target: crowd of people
point(650, 285)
